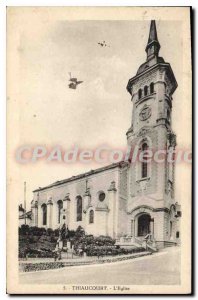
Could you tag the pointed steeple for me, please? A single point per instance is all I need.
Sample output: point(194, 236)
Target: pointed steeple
point(153, 45)
point(152, 33)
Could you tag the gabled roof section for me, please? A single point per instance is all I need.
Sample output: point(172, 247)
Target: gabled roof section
point(120, 164)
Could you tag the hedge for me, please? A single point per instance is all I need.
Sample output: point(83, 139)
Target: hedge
point(39, 242)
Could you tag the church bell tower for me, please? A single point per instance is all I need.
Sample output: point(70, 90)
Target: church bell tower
point(151, 183)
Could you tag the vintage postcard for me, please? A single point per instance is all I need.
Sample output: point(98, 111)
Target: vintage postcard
point(99, 126)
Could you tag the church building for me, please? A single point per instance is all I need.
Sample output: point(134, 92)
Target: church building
point(125, 199)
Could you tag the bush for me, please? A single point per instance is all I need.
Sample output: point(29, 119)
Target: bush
point(56, 232)
point(43, 252)
point(42, 266)
point(84, 241)
point(24, 229)
point(36, 242)
point(104, 240)
point(37, 231)
point(102, 250)
point(110, 250)
point(50, 232)
point(71, 233)
point(39, 242)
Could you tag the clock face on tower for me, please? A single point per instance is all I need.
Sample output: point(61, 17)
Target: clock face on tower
point(145, 113)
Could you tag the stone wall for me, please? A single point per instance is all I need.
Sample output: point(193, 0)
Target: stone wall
point(103, 210)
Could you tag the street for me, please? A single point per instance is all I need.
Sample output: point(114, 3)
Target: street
point(160, 268)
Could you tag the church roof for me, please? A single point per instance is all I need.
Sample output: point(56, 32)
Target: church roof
point(120, 164)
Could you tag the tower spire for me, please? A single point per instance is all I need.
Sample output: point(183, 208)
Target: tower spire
point(153, 45)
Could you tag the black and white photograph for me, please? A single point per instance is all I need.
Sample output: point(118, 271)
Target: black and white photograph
point(99, 150)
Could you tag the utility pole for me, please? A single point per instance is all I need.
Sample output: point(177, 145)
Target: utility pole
point(25, 200)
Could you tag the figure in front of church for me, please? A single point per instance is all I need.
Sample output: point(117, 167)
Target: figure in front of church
point(63, 231)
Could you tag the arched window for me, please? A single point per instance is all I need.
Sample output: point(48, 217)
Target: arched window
point(60, 207)
point(91, 216)
point(146, 90)
point(151, 88)
point(79, 208)
point(144, 163)
point(44, 211)
point(139, 94)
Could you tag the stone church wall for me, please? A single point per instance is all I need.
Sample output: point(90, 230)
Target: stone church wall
point(103, 211)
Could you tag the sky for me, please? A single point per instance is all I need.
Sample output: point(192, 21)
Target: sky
point(99, 111)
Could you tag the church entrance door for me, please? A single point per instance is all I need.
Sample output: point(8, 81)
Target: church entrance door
point(144, 225)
